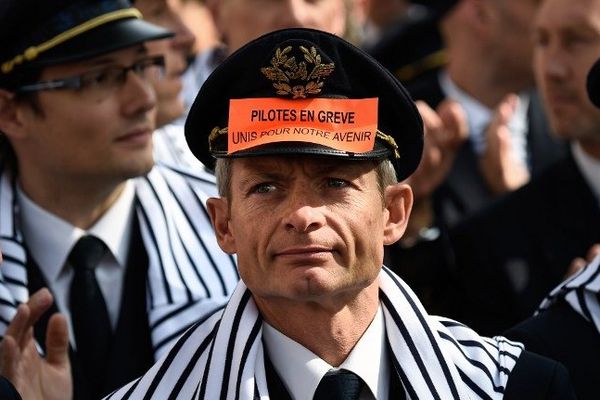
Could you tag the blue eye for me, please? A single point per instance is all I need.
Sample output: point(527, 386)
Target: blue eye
point(262, 188)
point(336, 183)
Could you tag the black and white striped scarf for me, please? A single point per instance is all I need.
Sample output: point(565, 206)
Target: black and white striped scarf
point(581, 291)
point(437, 358)
point(188, 274)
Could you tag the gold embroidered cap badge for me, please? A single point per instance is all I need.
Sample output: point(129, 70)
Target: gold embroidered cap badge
point(285, 69)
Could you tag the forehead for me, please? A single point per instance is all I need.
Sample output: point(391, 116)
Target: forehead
point(558, 14)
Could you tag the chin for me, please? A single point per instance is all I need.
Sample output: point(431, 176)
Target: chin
point(140, 168)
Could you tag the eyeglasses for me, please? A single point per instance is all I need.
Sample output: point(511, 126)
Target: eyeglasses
point(102, 81)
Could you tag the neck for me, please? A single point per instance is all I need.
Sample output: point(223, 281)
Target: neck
point(473, 80)
point(329, 329)
point(80, 203)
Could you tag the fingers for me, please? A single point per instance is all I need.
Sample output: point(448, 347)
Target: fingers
point(442, 137)
point(57, 341)
point(498, 128)
point(576, 265)
point(505, 110)
point(431, 120)
point(593, 252)
point(454, 119)
point(9, 357)
point(579, 263)
point(19, 325)
point(502, 171)
point(38, 304)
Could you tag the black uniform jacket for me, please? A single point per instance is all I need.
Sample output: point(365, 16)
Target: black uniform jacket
point(563, 335)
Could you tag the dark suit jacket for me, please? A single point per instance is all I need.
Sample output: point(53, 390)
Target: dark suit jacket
point(512, 254)
point(563, 335)
point(7, 390)
point(536, 378)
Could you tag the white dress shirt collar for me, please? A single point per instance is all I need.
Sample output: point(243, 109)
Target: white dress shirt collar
point(301, 370)
point(50, 238)
point(589, 167)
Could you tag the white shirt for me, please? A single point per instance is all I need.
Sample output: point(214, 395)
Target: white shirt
point(50, 240)
point(301, 370)
point(170, 147)
point(479, 117)
point(589, 167)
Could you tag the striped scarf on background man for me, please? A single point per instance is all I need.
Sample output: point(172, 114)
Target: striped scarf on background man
point(223, 357)
point(188, 274)
point(581, 292)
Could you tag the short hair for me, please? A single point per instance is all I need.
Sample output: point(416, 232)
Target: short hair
point(386, 175)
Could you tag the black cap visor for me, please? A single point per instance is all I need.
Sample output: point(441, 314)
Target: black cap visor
point(104, 39)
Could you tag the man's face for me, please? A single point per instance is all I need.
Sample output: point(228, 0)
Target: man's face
point(304, 229)
point(176, 50)
point(87, 135)
point(510, 46)
point(567, 43)
point(240, 21)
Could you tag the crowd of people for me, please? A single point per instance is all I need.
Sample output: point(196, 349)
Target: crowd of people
point(177, 221)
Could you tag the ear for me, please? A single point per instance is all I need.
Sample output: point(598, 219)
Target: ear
point(10, 116)
point(398, 203)
point(218, 210)
point(479, 12)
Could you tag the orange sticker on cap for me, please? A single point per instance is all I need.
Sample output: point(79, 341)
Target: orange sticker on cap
point(342, 124)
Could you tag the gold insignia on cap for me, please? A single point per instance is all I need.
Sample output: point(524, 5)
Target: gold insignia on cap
point(284, 69)
point(214, 134)
point(390, 141)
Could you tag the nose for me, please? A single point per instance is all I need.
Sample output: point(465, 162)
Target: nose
point(302, 214)
point(555, 69)
point(137, 95)
point(552, 63)
point(304, 219)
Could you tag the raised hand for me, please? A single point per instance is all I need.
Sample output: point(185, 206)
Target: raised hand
point(445, 130)
point(34, 376)
point(502, 171)
point(579, 263)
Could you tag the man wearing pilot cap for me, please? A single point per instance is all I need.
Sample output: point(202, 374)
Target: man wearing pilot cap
point(307, 205)
point(95, 275)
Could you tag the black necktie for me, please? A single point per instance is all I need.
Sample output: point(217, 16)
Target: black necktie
point(89, 316)
point(339, 385)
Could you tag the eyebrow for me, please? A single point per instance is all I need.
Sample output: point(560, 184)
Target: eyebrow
point(110, 59)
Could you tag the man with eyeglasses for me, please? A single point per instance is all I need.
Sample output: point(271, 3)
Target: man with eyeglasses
point(122, 248)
